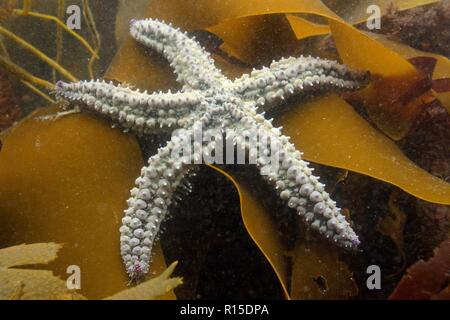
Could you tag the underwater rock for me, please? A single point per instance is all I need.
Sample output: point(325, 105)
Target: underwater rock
point(424, 28)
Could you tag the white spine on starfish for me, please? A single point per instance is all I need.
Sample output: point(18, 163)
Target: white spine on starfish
point(302, 191)
point(293, 179)
point(138, 111)
point(290, 76)
point(148, 207)
point(191, 62)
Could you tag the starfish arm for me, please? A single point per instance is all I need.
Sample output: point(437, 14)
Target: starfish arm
point(282, 166)
point(150, 199)
point(135, 110)
point(291, 76)
point(192, 64)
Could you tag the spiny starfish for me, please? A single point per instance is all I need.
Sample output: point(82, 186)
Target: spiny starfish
point(210, 101)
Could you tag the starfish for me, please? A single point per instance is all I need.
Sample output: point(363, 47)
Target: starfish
point(211, 102)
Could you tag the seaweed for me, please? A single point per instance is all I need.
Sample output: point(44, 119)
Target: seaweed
point(426, 280)
point(36, 83)
point(19, 283)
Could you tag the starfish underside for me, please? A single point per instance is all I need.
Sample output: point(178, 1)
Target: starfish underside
point(211, 101)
